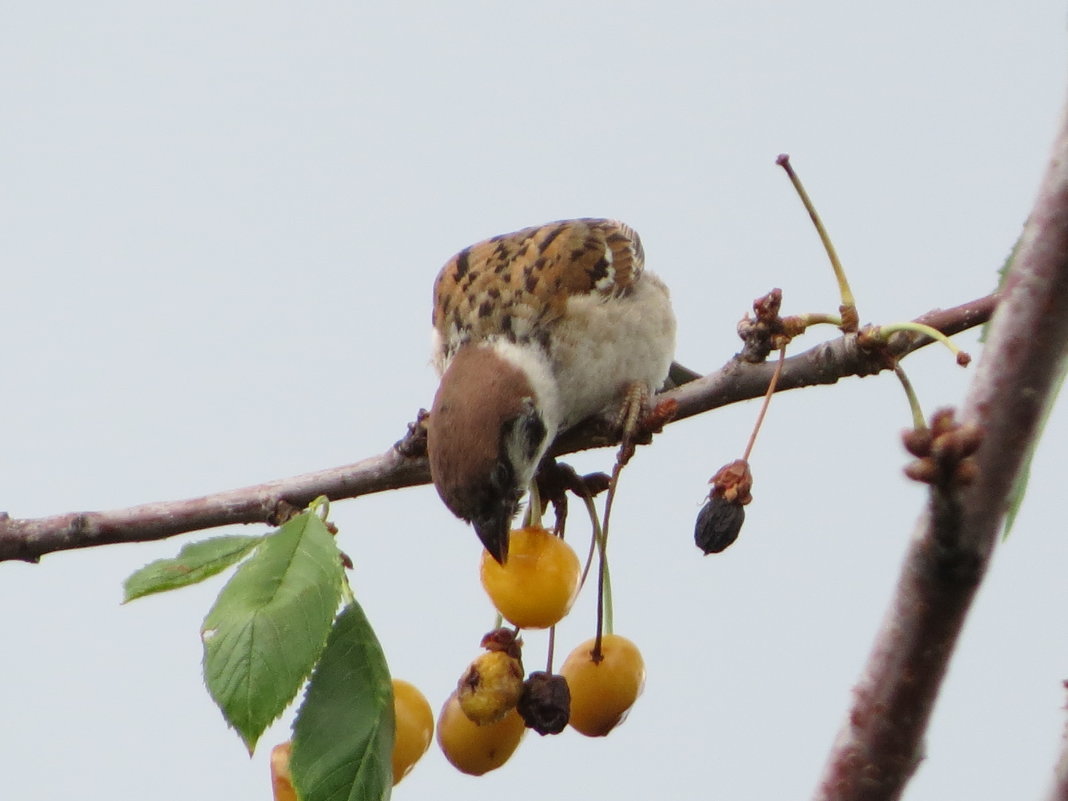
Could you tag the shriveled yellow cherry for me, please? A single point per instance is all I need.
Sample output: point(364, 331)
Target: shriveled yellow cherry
point(281, 781)
point(475, 749)
point(414, 730)
point(602, 693)
point(535, 588)
point(490, 687)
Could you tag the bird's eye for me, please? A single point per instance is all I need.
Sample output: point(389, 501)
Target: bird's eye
point(502, 477)
point(532, 431)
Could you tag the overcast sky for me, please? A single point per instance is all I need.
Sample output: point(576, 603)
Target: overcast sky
point(220, 225)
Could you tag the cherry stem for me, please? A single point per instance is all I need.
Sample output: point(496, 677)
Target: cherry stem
point(884, 332)
point(918, 421)
point(765, 404)
point(604, 583)
point(820, 319)
point(321, 506)
point(534, 510)
point(594, 538)
point(848, 302)
point(551, 649)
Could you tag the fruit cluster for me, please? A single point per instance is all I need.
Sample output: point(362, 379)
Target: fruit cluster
point(484, 719)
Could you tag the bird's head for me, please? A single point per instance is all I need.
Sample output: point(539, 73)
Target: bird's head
point(493, 419)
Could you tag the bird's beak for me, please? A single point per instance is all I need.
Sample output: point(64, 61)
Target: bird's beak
point(493, 530)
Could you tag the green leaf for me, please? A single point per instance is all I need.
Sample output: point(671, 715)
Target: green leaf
point(194, 563)
point(1003, 274)
point(1019, 487)
point(270, 623)
point(343, 734)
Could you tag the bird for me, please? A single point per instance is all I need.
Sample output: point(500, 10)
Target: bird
point(533, 332)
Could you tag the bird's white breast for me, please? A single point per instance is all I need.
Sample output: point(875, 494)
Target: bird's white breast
point(601, 345)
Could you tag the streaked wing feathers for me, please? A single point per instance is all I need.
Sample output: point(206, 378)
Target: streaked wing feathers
point(516, 285)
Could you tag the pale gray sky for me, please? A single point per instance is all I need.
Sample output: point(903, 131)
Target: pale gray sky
point(221, 222)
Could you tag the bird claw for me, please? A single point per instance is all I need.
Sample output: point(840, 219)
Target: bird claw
point(413, 444)
point(555, 479)
point(638, 421)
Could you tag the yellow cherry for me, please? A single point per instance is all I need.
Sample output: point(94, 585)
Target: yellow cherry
point(281, 781)
point(535, 588)
point(475, 749)
point(603, 692)
point(490, 687)
point(414, 727)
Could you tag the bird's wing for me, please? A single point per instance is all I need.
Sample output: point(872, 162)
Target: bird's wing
point(515, 286)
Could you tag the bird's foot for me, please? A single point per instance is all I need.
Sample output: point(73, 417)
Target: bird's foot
point(555, 479)
point(413, 444)
point(638, 421)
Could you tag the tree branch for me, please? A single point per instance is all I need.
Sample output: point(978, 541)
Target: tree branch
point(879, 744)
point(1058, 790)
point(405, 465)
